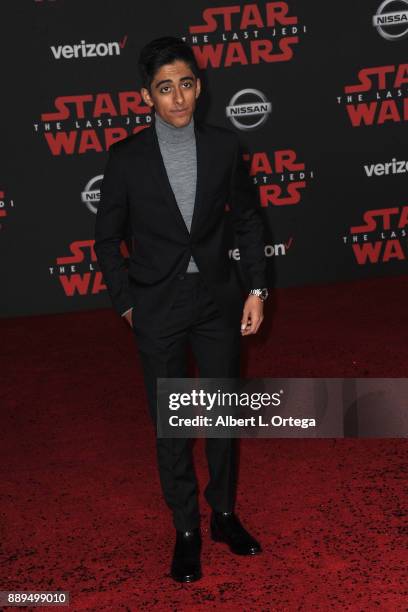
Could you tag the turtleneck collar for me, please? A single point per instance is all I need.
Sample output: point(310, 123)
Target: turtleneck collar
point(169, 133)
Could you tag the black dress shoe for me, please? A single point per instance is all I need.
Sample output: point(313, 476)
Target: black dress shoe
point(186, 565)
point(226, 527)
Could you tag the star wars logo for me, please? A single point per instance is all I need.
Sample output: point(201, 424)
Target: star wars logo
point(379, 96)
point(92, 122)
point(244, 35)
point(280, 179)
point(78, 272)
point(382, 237)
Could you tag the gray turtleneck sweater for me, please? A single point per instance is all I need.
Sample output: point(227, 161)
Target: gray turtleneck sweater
point(178, 149)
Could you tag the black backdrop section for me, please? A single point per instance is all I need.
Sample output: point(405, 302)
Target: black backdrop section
point(325, 98)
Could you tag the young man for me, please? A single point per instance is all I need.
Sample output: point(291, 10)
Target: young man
point(168, 185)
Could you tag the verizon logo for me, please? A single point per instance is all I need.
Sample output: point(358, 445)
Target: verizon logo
point(84, 49)
point(392, 167)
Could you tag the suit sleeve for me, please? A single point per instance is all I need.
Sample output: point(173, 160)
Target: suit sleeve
point(110, 230)
point(247, 222)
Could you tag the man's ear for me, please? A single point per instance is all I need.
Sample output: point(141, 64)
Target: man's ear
point(198, 87)
point(146, 96)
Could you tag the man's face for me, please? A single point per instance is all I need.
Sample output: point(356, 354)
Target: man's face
point(173, 93)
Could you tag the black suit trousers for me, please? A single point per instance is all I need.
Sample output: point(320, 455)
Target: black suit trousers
point(193, 319)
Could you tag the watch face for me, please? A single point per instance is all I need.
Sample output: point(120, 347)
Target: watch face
point(264, 294)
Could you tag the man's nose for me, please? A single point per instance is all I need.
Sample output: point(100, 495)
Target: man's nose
point(179, 96)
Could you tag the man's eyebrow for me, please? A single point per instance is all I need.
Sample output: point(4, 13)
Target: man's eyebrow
point(185, 78)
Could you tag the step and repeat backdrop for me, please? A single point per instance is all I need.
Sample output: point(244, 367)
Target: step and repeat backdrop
point(318, 94)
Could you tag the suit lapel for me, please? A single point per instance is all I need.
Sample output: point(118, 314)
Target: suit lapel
point(159, 173)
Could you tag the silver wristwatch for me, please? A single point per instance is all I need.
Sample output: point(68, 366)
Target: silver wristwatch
point(261, 293)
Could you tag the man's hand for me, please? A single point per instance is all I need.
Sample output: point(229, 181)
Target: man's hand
point(252, 315)
point(128, 317)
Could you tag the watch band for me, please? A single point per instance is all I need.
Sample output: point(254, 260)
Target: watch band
point(261, 293)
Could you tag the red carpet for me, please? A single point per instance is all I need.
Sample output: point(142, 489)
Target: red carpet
point(81, 506)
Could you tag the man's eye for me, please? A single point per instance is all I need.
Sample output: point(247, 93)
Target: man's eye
point(167, 88)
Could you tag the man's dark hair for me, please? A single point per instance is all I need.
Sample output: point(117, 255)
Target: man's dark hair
point(164, 50)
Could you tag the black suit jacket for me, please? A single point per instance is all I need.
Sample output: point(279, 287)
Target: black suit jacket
point(137, 201)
